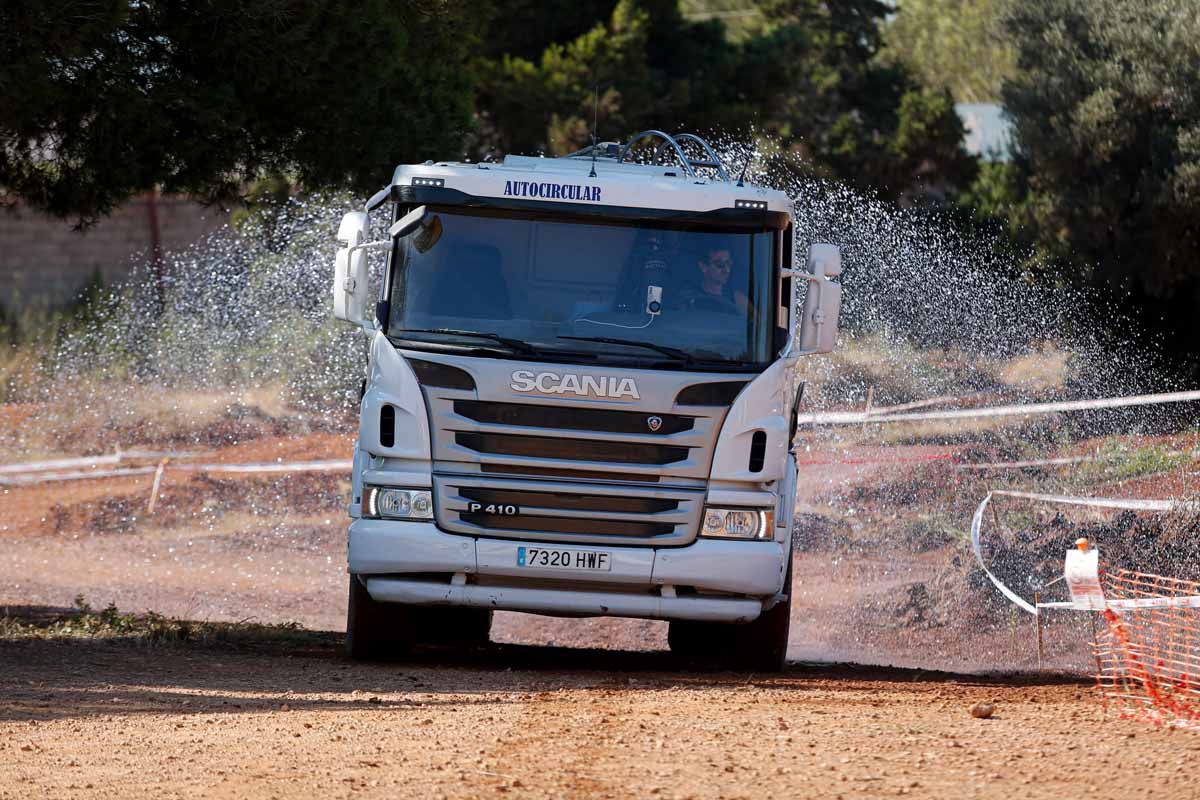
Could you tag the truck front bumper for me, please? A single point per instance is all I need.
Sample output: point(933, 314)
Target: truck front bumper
point(710, 579)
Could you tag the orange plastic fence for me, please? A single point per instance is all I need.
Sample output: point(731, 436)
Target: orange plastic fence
point(1148, 654)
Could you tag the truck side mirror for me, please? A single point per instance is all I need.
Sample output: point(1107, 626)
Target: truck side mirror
point(350, 269)
point(822, 301)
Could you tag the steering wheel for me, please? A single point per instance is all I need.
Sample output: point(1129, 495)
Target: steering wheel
point(715, 303)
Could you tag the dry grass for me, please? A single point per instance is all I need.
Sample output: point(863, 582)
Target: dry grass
point(111, 624)
point(976, 430)
point(895, 371)
point(1043, 370)
point(19, 370)
point(99, 418)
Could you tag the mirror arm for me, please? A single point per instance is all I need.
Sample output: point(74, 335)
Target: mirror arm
point(793, 333)
point(818, 313)
point(378, 199)
point(406, 224)
point(349, 287)
point(349, 284)
point(378, 245)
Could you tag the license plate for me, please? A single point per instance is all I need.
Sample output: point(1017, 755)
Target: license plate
point(554, 558)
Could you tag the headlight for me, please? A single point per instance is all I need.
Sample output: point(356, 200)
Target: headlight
point(738, 523)
point(384, 502)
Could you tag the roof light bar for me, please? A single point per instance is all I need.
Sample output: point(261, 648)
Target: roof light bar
point(439, 182)
point(760, 205)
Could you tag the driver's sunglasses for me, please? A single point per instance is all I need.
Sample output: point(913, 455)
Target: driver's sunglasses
point(720, 263)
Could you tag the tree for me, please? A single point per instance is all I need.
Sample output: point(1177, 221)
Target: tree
point(1105, 103)
point(645, 64)
point(852, 116)
point(806, 75)
point(103, 99)
point(957, 45)
point(523, 28)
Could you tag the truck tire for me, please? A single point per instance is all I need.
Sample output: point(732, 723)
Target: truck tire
point(760, 645)
point(458, 626)
point(701, 641)
point(375, 630)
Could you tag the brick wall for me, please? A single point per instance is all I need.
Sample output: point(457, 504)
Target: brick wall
point(45, 260)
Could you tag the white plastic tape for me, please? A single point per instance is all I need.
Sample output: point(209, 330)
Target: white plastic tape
point(59, 463)
point(339, 465)
point(86, 461)
point(859, 417)
point(1101, 502)
point(1082, 573)
point(1040, 462)
point(1186, 601)
point(55, 477)
point(976, 524)
point(1086, 600)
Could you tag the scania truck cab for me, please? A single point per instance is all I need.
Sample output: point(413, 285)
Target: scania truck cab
point(580, 398)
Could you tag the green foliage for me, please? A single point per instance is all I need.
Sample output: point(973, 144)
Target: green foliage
point(806, 74)
point(647, 63)
point(1107, 123)
point(863, 121)
point(742, 19)
point(102, 99)
point(1117, 460)
point(997, 191)
point(523, 28)
point(955, 45)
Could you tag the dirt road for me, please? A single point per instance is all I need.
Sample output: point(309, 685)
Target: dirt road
point(94, 719)
point(83, 718)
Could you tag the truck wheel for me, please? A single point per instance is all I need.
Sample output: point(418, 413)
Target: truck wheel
point(375, 630)
point(460, 626)
point(703, 641)
point(762, 644)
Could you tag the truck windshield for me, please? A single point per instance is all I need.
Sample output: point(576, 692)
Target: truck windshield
point(632, 293)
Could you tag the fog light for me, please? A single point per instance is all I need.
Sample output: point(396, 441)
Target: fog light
point(385, 502)
point(737, 523)
point(422, 505)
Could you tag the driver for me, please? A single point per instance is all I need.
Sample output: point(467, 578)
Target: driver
point(713, 291)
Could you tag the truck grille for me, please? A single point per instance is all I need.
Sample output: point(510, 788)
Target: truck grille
point(568, 512)
point(574, 449)
point(541, 438)
point(580, 469)
point(571, 418)
point(569, 502)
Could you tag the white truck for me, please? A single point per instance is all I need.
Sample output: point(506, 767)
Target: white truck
point(580, 398)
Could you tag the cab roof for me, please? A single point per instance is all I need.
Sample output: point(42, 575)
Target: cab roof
point(597, 177)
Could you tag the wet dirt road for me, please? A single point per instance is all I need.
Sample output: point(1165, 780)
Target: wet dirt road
point(101, 719)
point(95, 719)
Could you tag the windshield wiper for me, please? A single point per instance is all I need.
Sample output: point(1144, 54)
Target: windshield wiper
point(517, 345)
point(673, 352)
